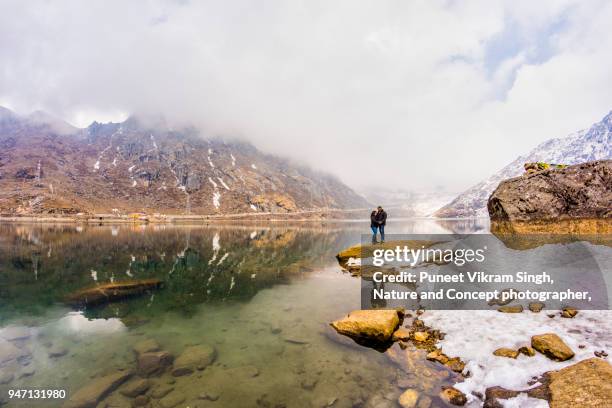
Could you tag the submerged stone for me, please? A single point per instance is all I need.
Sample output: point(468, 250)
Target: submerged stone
point(8, 352)
point(193, 358)
point(14, 333)
point(409, 398)
point(111, 292)
point(146, 346)
point(94, 392)
point(135, 387)
point(154, 363)
point(172, 400)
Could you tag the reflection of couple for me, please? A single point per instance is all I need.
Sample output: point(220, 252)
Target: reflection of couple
point(378, 219)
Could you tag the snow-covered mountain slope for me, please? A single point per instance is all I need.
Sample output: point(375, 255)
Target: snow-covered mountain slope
point(582, 146)
point(49, 167)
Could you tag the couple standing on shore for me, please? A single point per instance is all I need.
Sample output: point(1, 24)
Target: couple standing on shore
point(378, 220)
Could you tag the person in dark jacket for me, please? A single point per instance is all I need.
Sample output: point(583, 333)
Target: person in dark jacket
point(381, 221)
point(374, 226)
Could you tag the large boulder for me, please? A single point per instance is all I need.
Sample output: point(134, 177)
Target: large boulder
point(552, 347)
point(193, 358)
point(375, 326)
point(582, 191)
point(97, 390)
point(585, 384)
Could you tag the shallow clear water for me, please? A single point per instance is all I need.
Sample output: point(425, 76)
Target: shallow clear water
point(262, 296)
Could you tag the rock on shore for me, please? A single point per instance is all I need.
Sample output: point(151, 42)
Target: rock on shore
point(552, 347)
point(375, 326)
point(582, 191)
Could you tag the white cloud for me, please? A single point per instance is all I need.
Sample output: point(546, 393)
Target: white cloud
point(408, 93)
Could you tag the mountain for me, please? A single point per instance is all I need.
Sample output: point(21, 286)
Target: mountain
point(407, 203)
point(582, 146)
point(49, 167)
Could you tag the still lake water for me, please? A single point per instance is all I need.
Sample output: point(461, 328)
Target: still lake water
point(262, 296)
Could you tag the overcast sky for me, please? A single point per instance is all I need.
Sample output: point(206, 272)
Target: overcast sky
point(414, 94)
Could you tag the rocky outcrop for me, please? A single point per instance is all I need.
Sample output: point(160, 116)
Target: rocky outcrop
point(111, 292)
point(582, 191)
point(587, 384)
point(580, 147)
point(369, 326)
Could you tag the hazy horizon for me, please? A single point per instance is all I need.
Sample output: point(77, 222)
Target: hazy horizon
point(406, 95)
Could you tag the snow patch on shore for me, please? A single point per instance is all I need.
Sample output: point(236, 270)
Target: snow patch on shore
point(474, 335)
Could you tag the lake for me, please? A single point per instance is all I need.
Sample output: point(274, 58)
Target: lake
point(261, 296)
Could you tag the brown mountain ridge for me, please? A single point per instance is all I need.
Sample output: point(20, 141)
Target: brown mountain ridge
point(49, 167)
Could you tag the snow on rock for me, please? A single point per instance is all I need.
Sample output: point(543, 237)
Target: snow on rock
point(131, 168)
point(212, 166)
point(233, 160)
point(216, 199)
point(223, 183)
point(154, 143)
point(253, 166)
point(212, 182)
point(474, 335)
point(134, 183)
point(253, 207)
point(97, 165)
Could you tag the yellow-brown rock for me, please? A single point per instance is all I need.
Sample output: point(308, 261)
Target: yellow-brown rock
point(552, 346)
point(453, 396)
point(511, 309)
point(569, 312)
point(409, 398)
point(587, 384)
point(506, 352)
point(401, 334)
point(526, 350)
point(369, 325)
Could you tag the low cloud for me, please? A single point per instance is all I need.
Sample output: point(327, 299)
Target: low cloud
point(410, 94)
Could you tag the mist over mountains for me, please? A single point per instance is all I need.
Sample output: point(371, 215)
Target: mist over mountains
point(48, 166)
